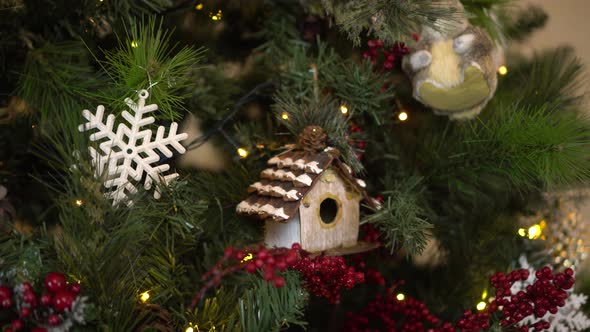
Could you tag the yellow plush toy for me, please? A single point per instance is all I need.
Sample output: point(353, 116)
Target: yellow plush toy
point(453, 70)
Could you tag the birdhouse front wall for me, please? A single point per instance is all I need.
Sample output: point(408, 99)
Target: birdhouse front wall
point(329, 214)
point(280, 234)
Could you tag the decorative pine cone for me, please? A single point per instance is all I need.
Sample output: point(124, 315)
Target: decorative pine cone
point(313, 138)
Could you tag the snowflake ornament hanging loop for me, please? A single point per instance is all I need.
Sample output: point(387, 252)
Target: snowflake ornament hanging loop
point(128, 155)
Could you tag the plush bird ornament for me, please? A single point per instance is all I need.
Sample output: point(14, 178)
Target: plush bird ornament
point(453, 66)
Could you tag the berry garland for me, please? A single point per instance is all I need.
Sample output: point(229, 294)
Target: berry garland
point(323, 276)
point(387, 56)
point(545, 295)
point(59, 307)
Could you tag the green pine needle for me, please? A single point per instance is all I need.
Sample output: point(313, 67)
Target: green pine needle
point(389, 20)
point(265, 307)
point(56, 79)
point(146, 60)
point(403, 219)
point(303, 112)
point(553, 76)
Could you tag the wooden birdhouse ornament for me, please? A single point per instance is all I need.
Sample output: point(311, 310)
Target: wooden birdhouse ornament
point(307, 195)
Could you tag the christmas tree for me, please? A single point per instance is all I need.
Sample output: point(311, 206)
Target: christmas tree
point(319, 165)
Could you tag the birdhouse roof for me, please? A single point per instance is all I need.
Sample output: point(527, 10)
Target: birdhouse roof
point(289, 178)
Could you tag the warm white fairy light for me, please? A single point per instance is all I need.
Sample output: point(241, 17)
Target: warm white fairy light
point(144, 297)
point(402, 116)
point(400, 296)
point(285, 116)
point(199, 6)
point(248, 257)
point(502, 70)
point(216, 17)
point(243, 153)
point(134, 44)
point(79, 202)
point(343, 109)
point(481, 306)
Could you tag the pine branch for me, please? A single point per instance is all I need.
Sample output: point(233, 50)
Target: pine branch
point(217, 313)
point(56, 78)
point(305, 111)
point(360, 88)
point(146, 60)
point(265, 307)
point(402, 219)
point(389, 20)
point(519, 25)
point(551, 77)
point(279, 32)
point(518, 148)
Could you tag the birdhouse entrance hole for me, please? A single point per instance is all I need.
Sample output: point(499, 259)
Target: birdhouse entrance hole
point(328, 210)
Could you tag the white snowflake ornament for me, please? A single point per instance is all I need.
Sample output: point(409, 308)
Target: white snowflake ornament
point(129, 153)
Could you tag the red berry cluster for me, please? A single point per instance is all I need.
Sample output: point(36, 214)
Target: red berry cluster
point(324, 276)
point(44, 310)
point(546, 294)
point(479, 321)
point(389, 56)
point(270, 261)
point(387, 313)
point(369, 232)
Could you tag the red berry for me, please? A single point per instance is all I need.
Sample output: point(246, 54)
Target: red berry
point(259, 262)
point(5, 292)
point(53, 320)
point(251, 267)
point(63, 300)
point(228, 252)
point(24, 312)
point(39, 329)
point(74, 288)
point(27, 286)
point(9, 330)
point(569, 272)
point(54, 282)
point(7, 303)
point(278, 282)
point(296, 246)
point(29, 297)
point(18, 324)
point(45, 299)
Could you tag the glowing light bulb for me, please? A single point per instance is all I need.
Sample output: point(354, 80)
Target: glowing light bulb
point(134, 44)
point(285, 116)
point(484, 295)
point(534, 232)
point(144, 296)
point(502, 70)
point(402, 116)
point(189, 329)
point(216, 17)
point(481, 306)
point(522, 232)
point(343, 109)
point(199, 6)
point(247, 258)
point(243, 153)
point(79, 202)
point(400, 297)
